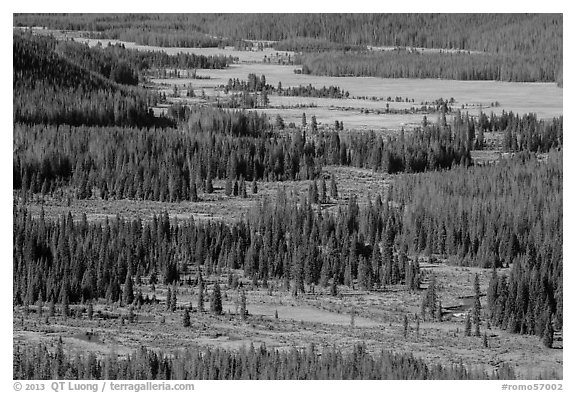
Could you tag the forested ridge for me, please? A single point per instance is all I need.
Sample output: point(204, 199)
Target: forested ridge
point(518, 47)
point(409, 64)
point(51, 89)
point(527, 33)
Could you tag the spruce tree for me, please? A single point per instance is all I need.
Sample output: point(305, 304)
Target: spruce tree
point(169, 300)
point(201, 295)
point(193, 192)
point(128, 291)
point(323, 196)
point(334, 287)
point(405, 326)
point(216, 300)
point(468, 326)
point(333, 188)
point(314, 123)
point(548, 337)
point(174, 301)
point(477, 306)
point(186, 318)
point(51, 308)
point(243, 310)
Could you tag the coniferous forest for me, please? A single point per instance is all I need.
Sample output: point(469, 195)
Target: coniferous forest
point(158, 225)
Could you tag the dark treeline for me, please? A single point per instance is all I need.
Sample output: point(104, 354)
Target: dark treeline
point(50, 89)
point(509, 214)
point(41, 362)
point(539, 34)
point(532, 42)
point(110, 60)
point(311, 91)
point(406, 64)
point(156, 164)
point(303, 44)
point(522, 47)
point(256, 83)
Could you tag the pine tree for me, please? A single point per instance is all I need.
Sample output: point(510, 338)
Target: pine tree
point(228, 187)
point(323, 196)
point(193, 192)
point(201, 295)
point(51, 309)
point(485, 340)
point(186, 318)
point(254, 185)
point(174, 301)
point(279, 122)
point(405, 326)
point(333, 188)
point(216, 300)
point(65, 303)
point(468, 326)
point(169, 300)
point(128, 291)
point(90, 311)
point(243, 310)
point(303, 120)
point(209, 185)
point(476, 310)
point(313, 123)
point(548, 337)
point(334, 287)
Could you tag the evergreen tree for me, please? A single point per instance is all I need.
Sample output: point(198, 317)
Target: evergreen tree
point(405, 326)
point(200, 294)
point(334, 287)
point(216, 300)
point(173, 302)
point(186, 318)
point(477, 307)
point(548, 337)
point(169, 300)
point(193, 192)
point(243, 310)
point(468, 326)
point(323, 197)
point(313, 123)
point(333, 187)
point(128, 290)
